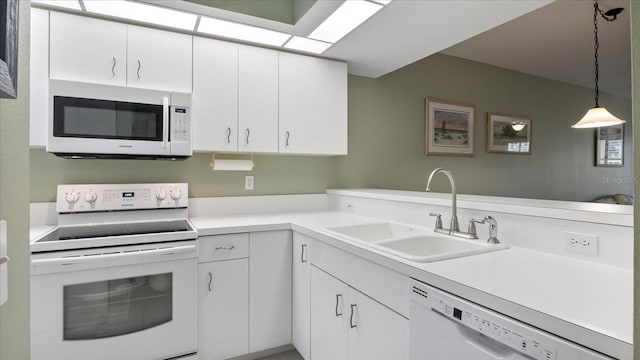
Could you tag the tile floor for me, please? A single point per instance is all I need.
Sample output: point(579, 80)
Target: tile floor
point(289, 355)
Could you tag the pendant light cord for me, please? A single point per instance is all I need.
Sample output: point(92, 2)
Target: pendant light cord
point(596, 45)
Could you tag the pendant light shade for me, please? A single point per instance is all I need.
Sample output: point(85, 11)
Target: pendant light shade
point(598, 116)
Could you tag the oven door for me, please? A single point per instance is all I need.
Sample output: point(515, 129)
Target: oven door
point(124, 303)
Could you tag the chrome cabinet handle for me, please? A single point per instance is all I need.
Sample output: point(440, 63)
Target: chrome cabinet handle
point(228, 135)
point(139, 66)
point(4, 260)
point(113, 68)
point(286, 141)
point(210, 280)
point(338, 297)
point(302, 257)
point(246, 141)
point(228, 248)
point(353, 306)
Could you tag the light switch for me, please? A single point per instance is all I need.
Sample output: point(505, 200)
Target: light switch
point(4, 259)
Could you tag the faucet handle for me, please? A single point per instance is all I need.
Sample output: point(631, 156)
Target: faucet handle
point(438, 220)
point(472, 227)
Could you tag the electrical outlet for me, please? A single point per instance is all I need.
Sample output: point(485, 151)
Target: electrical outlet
point(248, 182)
point(584, 244)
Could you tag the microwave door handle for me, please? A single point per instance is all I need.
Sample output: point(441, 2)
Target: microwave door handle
point(165, 122)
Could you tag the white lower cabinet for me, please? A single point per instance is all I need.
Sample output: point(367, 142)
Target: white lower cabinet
point(244, 293)
point(224, 300)
point(347, 324)
point(270, 289)
point(301, 307)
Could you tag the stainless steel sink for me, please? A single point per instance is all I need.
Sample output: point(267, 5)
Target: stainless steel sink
point(413, 243)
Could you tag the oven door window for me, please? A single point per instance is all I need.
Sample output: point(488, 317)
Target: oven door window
point(103, 119)
point(116, 307)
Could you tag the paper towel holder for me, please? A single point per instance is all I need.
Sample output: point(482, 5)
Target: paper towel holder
point(231, 164)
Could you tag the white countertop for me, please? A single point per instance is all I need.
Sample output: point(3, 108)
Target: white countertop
point(585, 302)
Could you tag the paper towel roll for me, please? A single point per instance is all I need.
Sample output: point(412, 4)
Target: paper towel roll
point(232, 165)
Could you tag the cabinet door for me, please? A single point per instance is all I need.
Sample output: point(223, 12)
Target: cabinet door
point(258, 100)
point(375, 331)
point(301, 307)
point(159, 59)
point(224, 306)
point(87, 49)
point(270, 289)
point(329, 317)
point(313, 105)
point(39, 78)
point(214, 102)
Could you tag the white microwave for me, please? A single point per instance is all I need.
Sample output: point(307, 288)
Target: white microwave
point(103, 121)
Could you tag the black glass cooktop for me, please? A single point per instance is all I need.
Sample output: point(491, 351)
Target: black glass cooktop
point(93, 231)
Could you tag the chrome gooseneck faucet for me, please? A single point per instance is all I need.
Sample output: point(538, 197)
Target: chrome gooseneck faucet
point(453, 227)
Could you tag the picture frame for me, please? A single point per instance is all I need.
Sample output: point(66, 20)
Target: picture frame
point(610, 146)
point(508, 134)
point(449, 128)
point(9, 48)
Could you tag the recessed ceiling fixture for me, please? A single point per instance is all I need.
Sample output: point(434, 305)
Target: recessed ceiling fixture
point(308, 45)
point(142, 12)
point(599, 116)
point(243, 32)
point(347, 17)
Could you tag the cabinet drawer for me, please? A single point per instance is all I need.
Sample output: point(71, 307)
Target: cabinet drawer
point(223, 247)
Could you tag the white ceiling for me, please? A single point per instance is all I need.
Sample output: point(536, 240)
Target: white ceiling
point(556, 42)
point(540, 37)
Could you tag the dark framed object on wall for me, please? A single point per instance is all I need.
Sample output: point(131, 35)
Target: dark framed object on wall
point(610, 146)
point(9, 48)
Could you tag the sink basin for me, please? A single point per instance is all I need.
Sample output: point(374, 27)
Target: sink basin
point(413, 243)
point(427, 248)
point(375, 232)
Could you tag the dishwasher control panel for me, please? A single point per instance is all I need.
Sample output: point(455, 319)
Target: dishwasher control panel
point(490, 326)
point(520, 337)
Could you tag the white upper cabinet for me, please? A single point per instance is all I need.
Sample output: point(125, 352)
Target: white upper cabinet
point(39, 77)
point(214, 102)
point(106, 52)
point(158, 59)
point(258, 100)
point(313, 105)
point(88, 50)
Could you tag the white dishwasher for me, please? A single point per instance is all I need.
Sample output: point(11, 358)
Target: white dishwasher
point(446, 327)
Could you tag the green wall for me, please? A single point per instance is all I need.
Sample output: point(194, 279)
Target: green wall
point(387, 133)
point(272, 174)
point(14, 203)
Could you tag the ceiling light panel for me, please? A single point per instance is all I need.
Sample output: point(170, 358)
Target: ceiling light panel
point(242, 32)
point(143, 13)
point(308, 45)
point(69, 4)
point(383, 2)
point(347, 17)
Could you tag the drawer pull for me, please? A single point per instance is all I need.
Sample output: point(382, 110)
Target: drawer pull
point(227, 248)
point(303, 258)
point(210, 280)
point(338, 298)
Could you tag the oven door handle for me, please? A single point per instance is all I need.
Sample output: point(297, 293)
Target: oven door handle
point(116, 259)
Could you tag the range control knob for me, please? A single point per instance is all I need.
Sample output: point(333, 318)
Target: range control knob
point(176, 194)
point(71, 197)
point(90, 197)
point(161, 195)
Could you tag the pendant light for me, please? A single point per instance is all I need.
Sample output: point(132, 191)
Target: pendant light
point(598, 116)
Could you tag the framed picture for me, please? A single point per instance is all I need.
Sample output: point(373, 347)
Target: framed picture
point(508, 134)
point(8, 48)
point(610, 145)
point(449, 128)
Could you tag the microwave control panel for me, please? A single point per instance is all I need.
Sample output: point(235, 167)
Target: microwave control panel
point(108, 197)
point(180, 124)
